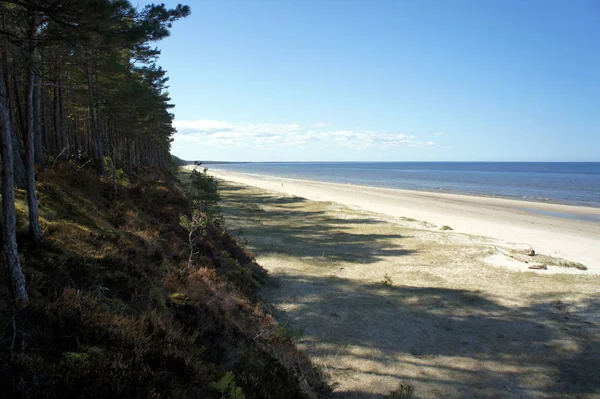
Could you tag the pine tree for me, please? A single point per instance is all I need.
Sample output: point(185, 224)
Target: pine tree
point(79, 79)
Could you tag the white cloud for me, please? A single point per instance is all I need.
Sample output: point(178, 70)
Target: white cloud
point(206, 126)
point(269, 135)
point(440, 134)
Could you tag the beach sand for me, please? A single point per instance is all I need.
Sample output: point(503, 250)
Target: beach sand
point(378, 296)
point(517, 224)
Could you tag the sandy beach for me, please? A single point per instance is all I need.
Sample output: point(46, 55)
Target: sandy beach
point(381, 298)
point(518, 224)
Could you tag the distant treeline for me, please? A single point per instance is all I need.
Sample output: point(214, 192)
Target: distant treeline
point(182, 162)
point(215, 162)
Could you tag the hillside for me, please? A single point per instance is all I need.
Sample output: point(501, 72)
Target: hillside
point(115, 310)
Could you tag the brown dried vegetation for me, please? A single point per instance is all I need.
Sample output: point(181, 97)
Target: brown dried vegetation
point(116, 312)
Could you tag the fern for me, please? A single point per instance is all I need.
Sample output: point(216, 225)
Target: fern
point(227, 386)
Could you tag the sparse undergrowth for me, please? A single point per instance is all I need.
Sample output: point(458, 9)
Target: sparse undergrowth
point(117, 311)
point(567, 263)
point(387, 280)
point(404, 391)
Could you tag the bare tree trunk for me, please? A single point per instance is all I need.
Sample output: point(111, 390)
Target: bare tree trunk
point(86, 130)
point(76, 143)
point(56, 122)
point(18, 104)
point(45, 142)
point(101, 130)
point(114, 169)
point(96, 134)
point(9, 214)
point(18, 168)
point(138, 153)
point(130, 151)
point(63, 123)
point(38, 154)
point(111, 131)
point(35, 229)
point(20, 176)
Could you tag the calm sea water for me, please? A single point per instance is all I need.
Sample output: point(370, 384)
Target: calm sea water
point(569, 183)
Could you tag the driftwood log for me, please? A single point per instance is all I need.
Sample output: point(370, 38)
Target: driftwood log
point(538, 267)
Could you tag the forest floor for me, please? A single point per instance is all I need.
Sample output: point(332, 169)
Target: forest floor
point(381, 302)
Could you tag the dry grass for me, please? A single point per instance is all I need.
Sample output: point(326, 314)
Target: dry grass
point(450, 326)
point(115, 310)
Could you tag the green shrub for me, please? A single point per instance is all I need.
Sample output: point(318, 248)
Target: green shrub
point(227, 386)
point(120, 175)
point(205, 192)
point(404, 391)
point(196, 229)
point(387, 280)
point(284, 332)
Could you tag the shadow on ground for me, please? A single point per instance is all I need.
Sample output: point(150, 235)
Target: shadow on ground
point(444, 342)
point(536, 351)
point(288, 226)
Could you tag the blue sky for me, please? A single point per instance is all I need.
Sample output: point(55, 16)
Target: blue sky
point(384, 80)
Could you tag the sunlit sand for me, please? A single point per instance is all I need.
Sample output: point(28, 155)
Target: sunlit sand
point(378, 295)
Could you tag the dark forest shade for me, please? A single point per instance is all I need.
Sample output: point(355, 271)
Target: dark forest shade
point(80, 80)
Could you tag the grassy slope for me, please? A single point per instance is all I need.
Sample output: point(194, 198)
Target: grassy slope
point(115, 312)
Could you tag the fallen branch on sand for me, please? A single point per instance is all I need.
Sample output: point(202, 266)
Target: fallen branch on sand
point(538, 267)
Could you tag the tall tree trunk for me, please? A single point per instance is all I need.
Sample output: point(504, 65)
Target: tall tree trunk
point(130, 151)
point(38, 154)
point(46, 144)
point(111, 140)
point(9, 214)
point(113, 167)
point(95, 125)
point(65, 126)
point(18, 168)
point(35, 229)
point(19, 104)
point(78, 148)
point(56, 121)
point(20, 176)
point(91, 150)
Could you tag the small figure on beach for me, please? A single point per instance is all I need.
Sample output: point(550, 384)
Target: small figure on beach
point(531, 252)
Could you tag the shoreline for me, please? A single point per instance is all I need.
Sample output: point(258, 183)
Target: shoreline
point(536, 200)
point(559, 208)
point(517, 223)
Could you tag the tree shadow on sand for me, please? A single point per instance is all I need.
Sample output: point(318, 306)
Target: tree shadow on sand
point(444, 342)
point(467, 344)
point(287, 226)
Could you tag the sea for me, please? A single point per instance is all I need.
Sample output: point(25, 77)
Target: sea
point(572, 183)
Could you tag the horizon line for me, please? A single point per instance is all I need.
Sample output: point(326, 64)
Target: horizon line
point(217, 161)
